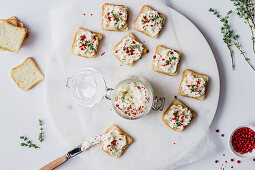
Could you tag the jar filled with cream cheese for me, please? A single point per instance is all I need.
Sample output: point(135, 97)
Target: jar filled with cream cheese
point(131, 98)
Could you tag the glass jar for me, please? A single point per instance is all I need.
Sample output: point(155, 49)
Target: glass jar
point(88, 87)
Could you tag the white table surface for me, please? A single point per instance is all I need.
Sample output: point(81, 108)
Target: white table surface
point(20, 110)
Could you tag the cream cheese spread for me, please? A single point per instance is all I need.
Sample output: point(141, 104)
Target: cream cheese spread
point(114, 142)
point(115, 17)
point(193, 86)
point(167, 61)
point(132, 99)
point(86, 44)
point(178, 117)
point(150, 21)
point(97, 139)
point(129, 50)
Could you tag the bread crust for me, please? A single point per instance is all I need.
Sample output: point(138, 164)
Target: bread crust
point(129, 139)
point(31, 59)
point(169, 74)
point(24, 29)
point(142, 31)
point(100, 37)
point(14, 21)
point(185, 72)
point(106, 29)
point(114, 48)
point(177, 102)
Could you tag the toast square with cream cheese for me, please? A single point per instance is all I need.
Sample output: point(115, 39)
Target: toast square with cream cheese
point(116, 141)
point(178, 115)
point(166, 60)
point(193, 85)
point(129, 50)
point(86, 43)
point(149, 21)
point(114, 17)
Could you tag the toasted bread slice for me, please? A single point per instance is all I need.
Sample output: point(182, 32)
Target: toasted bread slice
point(205, 77)
point(14, 21)
point(104, 13)
point(116, 47)
point(27, 74)
point(158, 54)
point(144, 9)
point(128, 138)
point(11, 37)
point(76, 41)
point(176, 102)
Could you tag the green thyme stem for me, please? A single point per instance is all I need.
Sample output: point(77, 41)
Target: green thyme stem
point(41, 134)
point(27, 142)
point(238, 46)
point(245, 10)
point(226, 31)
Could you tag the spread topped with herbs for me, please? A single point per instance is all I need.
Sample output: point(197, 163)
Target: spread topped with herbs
point(166, 61)
point(193, 86)
point(114, 142)
point(87, 43)
point(150, 21)
point(129, 50)
point(132, 99)
point(178, 117)
point(115, 17)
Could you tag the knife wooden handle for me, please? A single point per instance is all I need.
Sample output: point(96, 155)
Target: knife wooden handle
point(54, 164)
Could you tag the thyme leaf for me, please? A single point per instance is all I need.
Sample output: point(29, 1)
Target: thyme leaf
point(245, 10)
point(41, 134)
point(27, 143)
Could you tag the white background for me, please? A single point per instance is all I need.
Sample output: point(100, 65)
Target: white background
point(20, 110)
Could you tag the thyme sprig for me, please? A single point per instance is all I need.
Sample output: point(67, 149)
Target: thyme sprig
point(245, 10)
point(238, 46)
point(230, 38)
point(41, 134)
point(227, 32)
point(27, 143)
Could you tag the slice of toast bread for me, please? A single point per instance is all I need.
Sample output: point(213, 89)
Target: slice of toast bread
point(128, 138)
point(144, 9)
point(11, 37)
point(27, 74)
point(185, 72)
point(159, 50)
point(176, 102)
point(104, 27)
point(80, 30)
point(116, 47)
point(14, 21)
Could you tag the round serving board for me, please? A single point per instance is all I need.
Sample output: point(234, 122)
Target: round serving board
point(155, 146)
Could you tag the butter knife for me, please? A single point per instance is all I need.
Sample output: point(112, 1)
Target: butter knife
point(75, 151)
